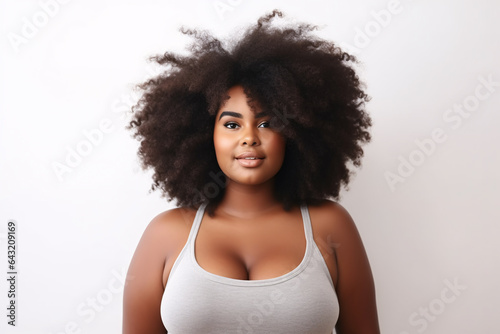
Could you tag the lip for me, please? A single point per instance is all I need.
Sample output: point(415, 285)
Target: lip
point(259, 160)
point(249, 155)
point(250, 163)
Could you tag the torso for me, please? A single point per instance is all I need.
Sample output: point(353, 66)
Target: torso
point(250, 249)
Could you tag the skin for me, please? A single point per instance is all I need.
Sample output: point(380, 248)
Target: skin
point(250, 236)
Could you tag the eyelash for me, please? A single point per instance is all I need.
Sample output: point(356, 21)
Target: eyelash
point(234, 123)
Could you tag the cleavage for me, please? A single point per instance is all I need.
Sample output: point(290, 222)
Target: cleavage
point(251, 250)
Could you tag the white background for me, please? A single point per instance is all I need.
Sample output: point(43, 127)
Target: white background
point(77, 231)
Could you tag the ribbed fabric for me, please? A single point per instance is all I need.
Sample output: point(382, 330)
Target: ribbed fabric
point(302, 301)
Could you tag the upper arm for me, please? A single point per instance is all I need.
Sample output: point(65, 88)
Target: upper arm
point(355, 287)
point(144, 286)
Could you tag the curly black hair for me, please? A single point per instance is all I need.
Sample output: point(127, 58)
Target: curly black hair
point(308, 84)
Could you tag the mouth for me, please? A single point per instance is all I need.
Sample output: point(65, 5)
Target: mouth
point(250, 161)
point(249, 155)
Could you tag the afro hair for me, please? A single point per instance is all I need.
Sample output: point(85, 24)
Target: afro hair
point(307, 84)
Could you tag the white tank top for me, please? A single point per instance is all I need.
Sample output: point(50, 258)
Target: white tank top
point(301, 301)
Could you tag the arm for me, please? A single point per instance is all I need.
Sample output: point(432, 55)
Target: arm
point(144, 285)
point(355, 287)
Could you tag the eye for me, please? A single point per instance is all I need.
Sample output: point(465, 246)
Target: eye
point(265, 124)
point(231, 125)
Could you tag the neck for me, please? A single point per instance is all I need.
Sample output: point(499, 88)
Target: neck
point(247, 201)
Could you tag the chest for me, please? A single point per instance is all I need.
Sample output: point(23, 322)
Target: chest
point(266, 276)
point(251, 249)
point(197, 302)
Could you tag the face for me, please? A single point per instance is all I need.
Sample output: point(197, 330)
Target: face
point(248, 150)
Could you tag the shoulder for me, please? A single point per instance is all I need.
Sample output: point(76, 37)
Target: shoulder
point(169, 227)
point(331, 219)
point(329, 209)
point(162, 239)
point(163, 236)
point(333, 226)
point(172, 218)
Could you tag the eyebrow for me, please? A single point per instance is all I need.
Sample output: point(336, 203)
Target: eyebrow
point(238, 115)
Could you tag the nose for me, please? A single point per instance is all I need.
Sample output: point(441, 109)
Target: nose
point(250, 137)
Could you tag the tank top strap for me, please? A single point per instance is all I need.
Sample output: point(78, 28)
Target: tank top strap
point(196, 223)
point(307, 224)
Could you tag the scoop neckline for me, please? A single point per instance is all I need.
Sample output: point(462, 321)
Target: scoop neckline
point(261, 282)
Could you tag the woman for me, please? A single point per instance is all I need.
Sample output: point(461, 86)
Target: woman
point(252, 139)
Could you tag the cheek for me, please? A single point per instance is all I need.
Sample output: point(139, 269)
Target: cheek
point(277, 146)
point(222, 147)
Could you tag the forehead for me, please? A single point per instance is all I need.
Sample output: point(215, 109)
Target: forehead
point(237, 97)
point(238, 102)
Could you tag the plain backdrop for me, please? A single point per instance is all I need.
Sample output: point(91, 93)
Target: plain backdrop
point(425, 200)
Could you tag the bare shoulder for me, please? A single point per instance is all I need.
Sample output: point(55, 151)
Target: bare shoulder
point(163, 236)
point(332, 220)
point(170, 227)
point(330, 209)
point(173, 216)
point(173, 219)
